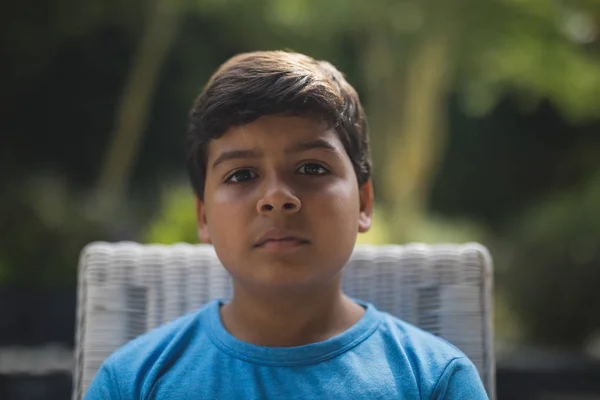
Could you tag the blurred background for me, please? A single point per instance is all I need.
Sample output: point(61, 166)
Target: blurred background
point(485, 126)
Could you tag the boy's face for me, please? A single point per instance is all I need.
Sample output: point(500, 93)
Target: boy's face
point(282, 205)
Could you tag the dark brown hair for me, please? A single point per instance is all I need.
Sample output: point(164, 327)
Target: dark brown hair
point(251, 85)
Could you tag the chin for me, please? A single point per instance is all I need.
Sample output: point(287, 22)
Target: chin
point(287, 278)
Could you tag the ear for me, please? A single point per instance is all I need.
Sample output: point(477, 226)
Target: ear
point(365, 216)
point(203, 232)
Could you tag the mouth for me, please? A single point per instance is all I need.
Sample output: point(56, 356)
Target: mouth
point(282, 244)
point(277, 240)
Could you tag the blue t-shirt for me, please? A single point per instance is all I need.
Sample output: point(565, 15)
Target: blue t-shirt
point(379, 357)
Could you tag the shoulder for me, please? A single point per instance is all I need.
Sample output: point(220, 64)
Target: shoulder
point(131, 370)
point(423, 346)
point(438, 365)
point(156, 341)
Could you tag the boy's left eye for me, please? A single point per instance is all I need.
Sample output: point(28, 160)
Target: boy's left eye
point(313, 169)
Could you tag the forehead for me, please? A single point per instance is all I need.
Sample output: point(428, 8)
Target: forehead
point(275, 133)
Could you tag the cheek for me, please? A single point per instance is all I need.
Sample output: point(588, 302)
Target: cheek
point(226, 232)
point(339, 202)
point(336, 222)
point(233, 201)
point(227, 215)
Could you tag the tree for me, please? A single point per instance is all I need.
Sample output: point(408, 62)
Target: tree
point(161, 26)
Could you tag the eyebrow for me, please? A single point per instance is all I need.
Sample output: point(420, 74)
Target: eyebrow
point(295, 148)
point(235, 154)
point(321, 144)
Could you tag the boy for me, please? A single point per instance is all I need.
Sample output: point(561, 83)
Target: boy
point(278, 156)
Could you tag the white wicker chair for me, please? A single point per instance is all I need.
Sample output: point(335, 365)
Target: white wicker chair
point(126, 289)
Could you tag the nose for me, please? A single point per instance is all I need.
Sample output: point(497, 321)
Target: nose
point(278, 198)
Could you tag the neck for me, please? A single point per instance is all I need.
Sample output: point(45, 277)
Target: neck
point(286, 318)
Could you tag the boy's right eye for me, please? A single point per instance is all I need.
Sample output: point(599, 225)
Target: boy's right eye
point(241, 175)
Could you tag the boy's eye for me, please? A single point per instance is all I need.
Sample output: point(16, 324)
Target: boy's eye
point(313, 169)
point(241, 175)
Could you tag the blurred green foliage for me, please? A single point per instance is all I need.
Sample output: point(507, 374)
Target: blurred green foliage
point(174, 221)
point(553, 277)
point(453, 162)
point(541, 49)
point(48, 228)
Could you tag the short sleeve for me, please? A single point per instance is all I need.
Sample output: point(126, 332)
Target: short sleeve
point(460, 380)
point(103, 386)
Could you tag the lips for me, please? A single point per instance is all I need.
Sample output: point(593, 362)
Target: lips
point(280, 238)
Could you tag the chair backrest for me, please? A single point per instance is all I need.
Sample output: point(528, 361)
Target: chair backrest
point(126, 289)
